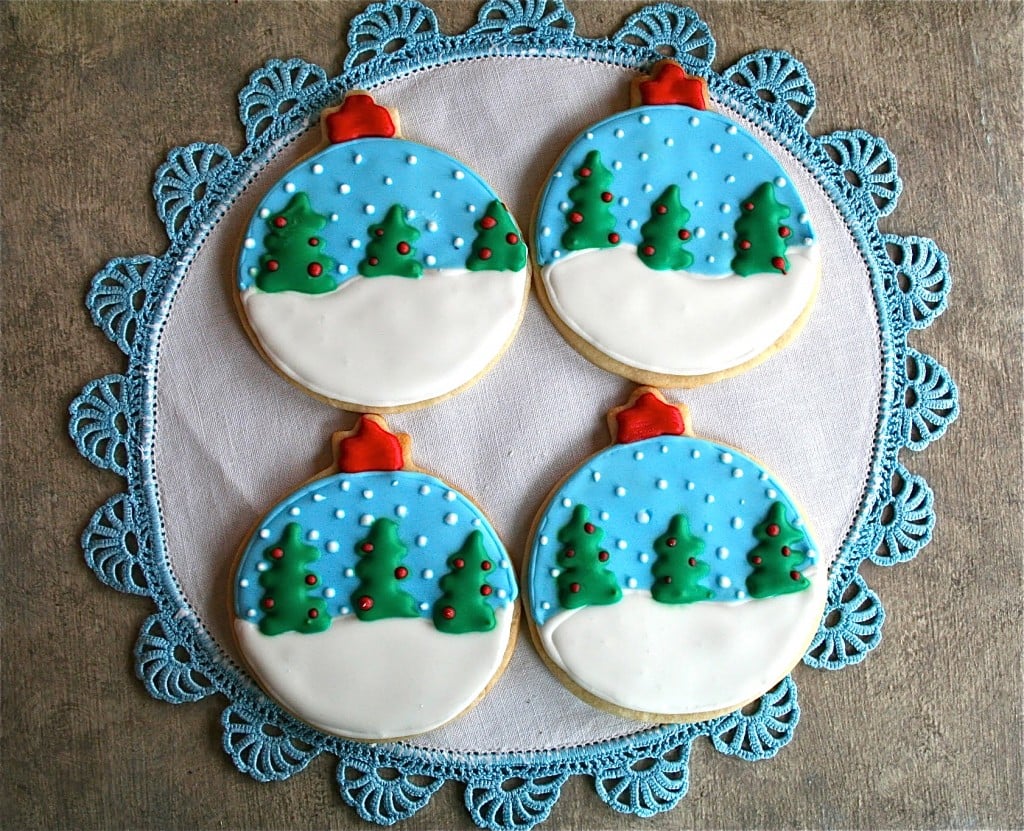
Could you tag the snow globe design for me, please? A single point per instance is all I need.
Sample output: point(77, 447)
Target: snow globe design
point(671, 578)
point(375, 602)
point(380, 274)
point(672, 247)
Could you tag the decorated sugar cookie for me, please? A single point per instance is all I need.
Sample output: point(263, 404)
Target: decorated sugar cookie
point(671, 578)
point(673, 249)
point(376, 601)
point(380, 274)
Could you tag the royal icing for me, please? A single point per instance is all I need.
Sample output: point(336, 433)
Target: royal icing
point(380, 272)
point(670, 240)
point(387, 584)
point(710, 587)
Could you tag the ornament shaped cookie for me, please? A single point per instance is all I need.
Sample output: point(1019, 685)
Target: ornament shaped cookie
point(672, 247)
point(669, 577)
point(376, 601)
point(379, 274)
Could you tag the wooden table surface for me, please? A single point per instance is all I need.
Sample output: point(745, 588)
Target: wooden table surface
point(925, 733)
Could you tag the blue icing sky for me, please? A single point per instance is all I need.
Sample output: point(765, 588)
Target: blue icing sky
point(354, 183)
point(433, 523)
point(716, 163)
point(633, 490)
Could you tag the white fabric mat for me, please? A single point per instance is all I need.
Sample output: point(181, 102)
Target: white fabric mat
point(234, 437)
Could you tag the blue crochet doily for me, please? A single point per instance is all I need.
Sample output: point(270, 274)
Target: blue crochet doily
point(113, 420)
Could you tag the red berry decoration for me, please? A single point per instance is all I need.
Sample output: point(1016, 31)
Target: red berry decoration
point(784, 232)
point(367, 547)
point(280, 222)
point(779, 264)
point(606, 197)
point(692, 561)
point(448, 612)
point(603, 556)
point(748, 206)
point(511, 239)
point(401, 572)
point(589, 527)
point(273, 265)
point(268, 603)
point(485, 253)
point(745, 244)
point(614, 238)
point(575, 217)
point(277, 553)
point(570, 553)
point(314, 241)
point(403, 247)
point(373, 261)
point(379, 232)
point(486, 565)
point(485, 590)
point(310, 579)
point(365, 603)
point(661, 209)
point(648, 250)
point(772, 530)
point(786, 551)
point(574, 588)
point(671, 542)
point(315, 269)
point(756, 561)
point(313, 614)
point(459, 563)
point(488, 222)
point(684, 234)
point(584, 172)
point(667, 580)
point(794, 575)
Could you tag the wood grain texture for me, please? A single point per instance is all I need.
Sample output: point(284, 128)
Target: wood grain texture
point(926, 733)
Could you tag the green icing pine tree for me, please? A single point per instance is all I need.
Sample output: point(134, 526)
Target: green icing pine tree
point(497, 246)
point(287, 583)
point(775, 558)
point(664, 234)
point(760, 236)
point(390, 249)
point(591, 221)
point(295, 258)
point(379, 570)
point(678, 568)
point(463, 605)
point(584, 580)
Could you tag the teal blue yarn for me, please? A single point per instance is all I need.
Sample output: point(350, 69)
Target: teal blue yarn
point(112, 420)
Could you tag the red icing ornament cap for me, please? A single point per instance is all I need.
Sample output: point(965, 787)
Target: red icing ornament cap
point(359, 116)
point(370, 445)
point(669, 83)
point(647, 414)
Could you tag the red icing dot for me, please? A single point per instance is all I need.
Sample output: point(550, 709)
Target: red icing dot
point(459, 563)
point(784, 232)
point(486, 565)
point(692, 561)
point(485, 253)
point(310, 579)
point(485, 590)
point(671, 542)
point(365, 603)
point(606, 197)
point(785, 551)
point(648, 250)
point(744, 244)
point(588, 527)
point(661, 209)
point(280, 221)
point(379, 232)
point(314, 241)
point(448, 612)
point(403, 247)
point(512, 239)
point(401, 572)
point(779, 263)
point(313, 614)
point(272, 265)
point(373, 261)
point(772, 530)
point(488, 222)
point(666, 579)
point(603, 556)
point(575, 217)
point(748, 206)
point(756, 561)
point(614, 238)
point(684, 234)
point(277, 553)
point(584, 172)
point(794, 575)
point(367, 547)
point(315, 269)
point(570, 553)
point(574, 588)
point(268, 603)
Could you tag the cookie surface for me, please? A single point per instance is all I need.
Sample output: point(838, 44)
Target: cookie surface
point(375, 604)
point(673, 248)
point(671, 577)
point(381, 274)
